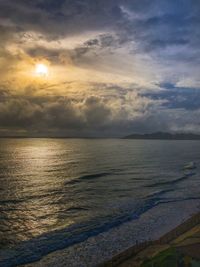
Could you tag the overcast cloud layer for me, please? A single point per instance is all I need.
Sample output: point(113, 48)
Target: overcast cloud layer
point(115, 67)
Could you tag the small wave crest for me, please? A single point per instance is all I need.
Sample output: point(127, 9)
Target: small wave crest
point(175, 181)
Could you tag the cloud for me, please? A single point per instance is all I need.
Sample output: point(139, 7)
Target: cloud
point(106, 115)
point(84, 116)
point(117, 66)
point(56, 113)
point(176, 97)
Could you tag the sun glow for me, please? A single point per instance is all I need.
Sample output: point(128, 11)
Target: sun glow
point(41, 70)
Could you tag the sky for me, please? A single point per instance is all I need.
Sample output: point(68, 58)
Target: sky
point(115, 67)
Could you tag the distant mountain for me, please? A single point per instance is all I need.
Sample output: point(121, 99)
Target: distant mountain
point(164, 136)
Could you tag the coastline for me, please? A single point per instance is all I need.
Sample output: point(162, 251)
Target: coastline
point(166, 239)
point(107, 246)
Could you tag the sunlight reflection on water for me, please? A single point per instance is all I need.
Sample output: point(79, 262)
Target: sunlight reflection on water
point(51, 184)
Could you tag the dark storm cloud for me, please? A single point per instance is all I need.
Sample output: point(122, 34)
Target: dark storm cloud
point(52, 113)
point(152, 24)
point(64, 17)
point(92, 115)
point(64, 115)
point(160, 21)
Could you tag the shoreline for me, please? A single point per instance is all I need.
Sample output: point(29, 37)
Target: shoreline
point(175, 233)
point(105, 247)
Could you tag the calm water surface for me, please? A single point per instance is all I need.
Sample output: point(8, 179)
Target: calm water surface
point(55, 192)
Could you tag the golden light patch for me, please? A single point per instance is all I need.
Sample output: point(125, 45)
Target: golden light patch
point(41, 70)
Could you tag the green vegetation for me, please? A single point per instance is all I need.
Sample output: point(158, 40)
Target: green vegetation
point(169, 257)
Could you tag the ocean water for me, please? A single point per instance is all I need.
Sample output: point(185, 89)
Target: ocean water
point(55, 193)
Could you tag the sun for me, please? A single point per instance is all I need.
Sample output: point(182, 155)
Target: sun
point(41, 70)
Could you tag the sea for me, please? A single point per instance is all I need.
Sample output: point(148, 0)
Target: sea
point(68, 194)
